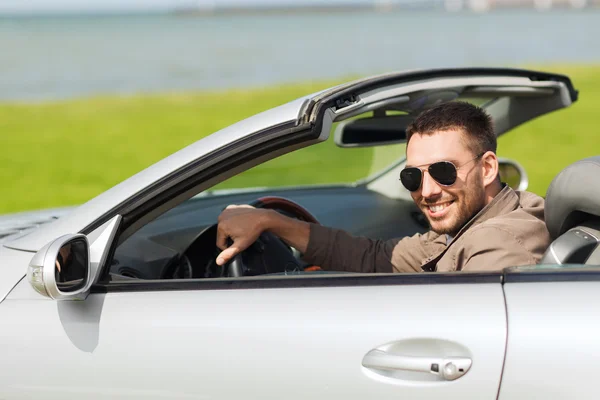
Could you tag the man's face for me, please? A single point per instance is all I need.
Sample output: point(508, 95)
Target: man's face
point(447, 208)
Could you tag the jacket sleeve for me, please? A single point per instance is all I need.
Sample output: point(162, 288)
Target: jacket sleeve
point(336, 250)
point(500, 249)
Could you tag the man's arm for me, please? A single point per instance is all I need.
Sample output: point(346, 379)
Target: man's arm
point(336, 250)
point(329, 248)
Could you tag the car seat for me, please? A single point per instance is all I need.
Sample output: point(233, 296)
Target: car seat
point(572, 214)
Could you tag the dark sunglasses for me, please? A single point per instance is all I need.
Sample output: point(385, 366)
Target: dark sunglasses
point(443, 172)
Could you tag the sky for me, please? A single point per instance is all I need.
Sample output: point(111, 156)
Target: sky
point(43, 6)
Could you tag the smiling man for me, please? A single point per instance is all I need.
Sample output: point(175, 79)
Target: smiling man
point(477, 222)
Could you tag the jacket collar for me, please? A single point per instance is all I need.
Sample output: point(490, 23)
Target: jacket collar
point(506, 200)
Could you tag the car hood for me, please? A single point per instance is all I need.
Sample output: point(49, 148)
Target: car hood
point(16, 225)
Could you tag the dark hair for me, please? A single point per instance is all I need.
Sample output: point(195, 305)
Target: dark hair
point(472, 120)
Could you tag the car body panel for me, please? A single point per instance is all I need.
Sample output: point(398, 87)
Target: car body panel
point(13, 267)
point(293, 343)
point(553, 348)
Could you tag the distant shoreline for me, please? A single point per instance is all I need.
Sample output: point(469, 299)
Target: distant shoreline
point(389, 7)
point(378, 6)
point(289, 9)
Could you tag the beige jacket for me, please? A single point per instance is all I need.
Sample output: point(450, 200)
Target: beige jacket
point(509, 231)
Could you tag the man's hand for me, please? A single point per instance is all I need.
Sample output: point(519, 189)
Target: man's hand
point(243, 225)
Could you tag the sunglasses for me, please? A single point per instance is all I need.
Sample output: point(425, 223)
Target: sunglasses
point(443, 172)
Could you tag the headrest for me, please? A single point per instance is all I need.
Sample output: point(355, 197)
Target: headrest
point(573, 196)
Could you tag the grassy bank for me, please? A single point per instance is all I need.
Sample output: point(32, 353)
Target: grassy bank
point(66, 152)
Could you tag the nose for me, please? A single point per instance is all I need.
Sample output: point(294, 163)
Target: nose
point(430, 187)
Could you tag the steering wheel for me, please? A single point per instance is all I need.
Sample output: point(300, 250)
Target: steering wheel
point(269, 254)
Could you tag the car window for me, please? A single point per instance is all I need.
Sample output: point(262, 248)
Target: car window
point(323, 163)
point(178, 245)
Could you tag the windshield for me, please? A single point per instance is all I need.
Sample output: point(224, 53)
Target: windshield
point(320, 164)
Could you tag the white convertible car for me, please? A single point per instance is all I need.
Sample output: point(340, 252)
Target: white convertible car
point(140, 310)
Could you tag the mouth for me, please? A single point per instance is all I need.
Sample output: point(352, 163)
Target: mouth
point(438, 210)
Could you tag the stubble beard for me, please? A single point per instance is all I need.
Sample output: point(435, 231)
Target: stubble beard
point(465, 208)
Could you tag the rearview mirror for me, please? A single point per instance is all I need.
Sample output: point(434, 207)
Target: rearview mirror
point(61, 269)
point(372, 131)
point(513, 174)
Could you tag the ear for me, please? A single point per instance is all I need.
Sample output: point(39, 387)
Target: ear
point(489, 165)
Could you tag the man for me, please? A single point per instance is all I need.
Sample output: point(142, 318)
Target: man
point(477, 222)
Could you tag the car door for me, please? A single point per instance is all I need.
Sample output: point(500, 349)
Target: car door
point(553, 335)
point(327, 336)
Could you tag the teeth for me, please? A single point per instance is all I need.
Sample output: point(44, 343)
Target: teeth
point(437, 208)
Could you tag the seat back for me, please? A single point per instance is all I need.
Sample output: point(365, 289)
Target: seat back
point(572, 213)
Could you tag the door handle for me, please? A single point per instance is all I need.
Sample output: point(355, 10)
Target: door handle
point(449, 368)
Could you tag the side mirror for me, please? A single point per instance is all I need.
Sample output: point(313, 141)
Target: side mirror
point(513, 174)
point(61, 269)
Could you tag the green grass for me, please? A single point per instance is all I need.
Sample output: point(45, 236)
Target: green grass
point(548, 144)
point(66, 152)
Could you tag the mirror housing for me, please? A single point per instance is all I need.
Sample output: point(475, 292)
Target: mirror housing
point(377, 130)
point(513, 174)
point(61, 269)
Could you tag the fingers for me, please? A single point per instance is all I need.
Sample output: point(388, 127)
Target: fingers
point(221, 238)
point(238, 223)
point(237, 206)
point(226, 255)
point(230, 252)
